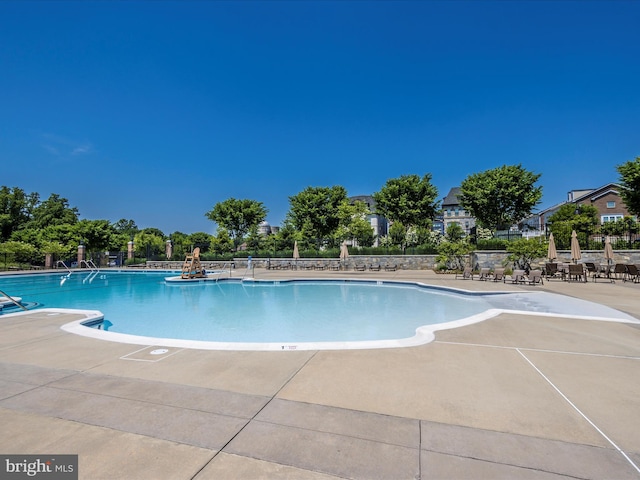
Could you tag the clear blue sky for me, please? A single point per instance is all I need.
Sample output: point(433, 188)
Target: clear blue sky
point(156, 111)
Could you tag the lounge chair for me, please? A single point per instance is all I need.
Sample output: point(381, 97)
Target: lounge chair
point(577, 272)
point(498, 275)
point(374, 267)
point(467, 274)
point(633, 274)
point(620, 271)
point(551, 271)
point(592, 269)
point(517, 276)
point(360, 267)
point(485, 273)
point(535, 277)
point(390, 267)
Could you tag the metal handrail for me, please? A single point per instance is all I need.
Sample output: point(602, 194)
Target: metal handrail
point(90, 265)
point(64, 265)
point(14, 301)
point(224, 265)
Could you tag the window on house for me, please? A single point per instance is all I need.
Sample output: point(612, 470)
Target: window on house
point(610, 218)
point(611, 204)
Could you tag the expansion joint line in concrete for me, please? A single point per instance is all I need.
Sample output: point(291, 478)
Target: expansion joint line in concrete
point(578, 410)
point(255, 414)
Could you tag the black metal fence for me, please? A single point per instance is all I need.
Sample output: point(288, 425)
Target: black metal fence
point(594, 237)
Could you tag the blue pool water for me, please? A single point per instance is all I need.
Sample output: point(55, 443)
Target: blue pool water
point(301, 311)
point(142, 304)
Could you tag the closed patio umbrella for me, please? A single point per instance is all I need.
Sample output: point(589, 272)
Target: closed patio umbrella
point(608, 250)
point(296, 255)
point(552, 254)
point(344, 251)
point(576, 254)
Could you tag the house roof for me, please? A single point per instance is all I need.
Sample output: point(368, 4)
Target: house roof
point(599, 192)
point(452, 197)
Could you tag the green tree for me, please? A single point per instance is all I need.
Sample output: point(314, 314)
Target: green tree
point(97, 235)
point(286, 238)
point(181, 244)
point(255, 241)
point(53, 211)
point(500, 197)
point(398, 235)
point(453, 255)
point(148, 244)
point(354, 224)
point(57, 249)
point(16, 208)
point(316, 211)
point(237, 216)
point(222, 242)
point(20, 251)
point(409, 199)
point(630, 183)
point(525, 250)
point(126, 227)
point(202, 240)
point(569, 217)
point(154, 231)
point(454, 232)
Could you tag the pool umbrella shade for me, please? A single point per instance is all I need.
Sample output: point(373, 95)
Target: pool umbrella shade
point(608, 249)
point(552, 254)
point(576, 254)
point(296, 254)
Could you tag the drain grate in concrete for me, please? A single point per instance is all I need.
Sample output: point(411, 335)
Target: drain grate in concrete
point(152, 353)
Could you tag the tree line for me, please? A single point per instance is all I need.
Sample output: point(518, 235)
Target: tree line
point(319, 218)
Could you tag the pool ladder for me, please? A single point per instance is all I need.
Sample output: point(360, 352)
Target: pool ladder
point(224, 266)
point(12, 300)
point(94, 270)
point(64, 278)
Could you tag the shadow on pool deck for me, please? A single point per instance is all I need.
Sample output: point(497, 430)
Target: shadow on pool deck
point(516, 396)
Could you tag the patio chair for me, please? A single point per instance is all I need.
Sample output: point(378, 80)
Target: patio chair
point(467, 274)
point(374, 267)
point(390, 267)
point(551, 271)
point(577, 272)
point(535, 277)
point(498, 275)
point(485, 273)
point(592, 269)
point(517, 276)
point(633, 274)
point(620, 271)
point(360, 267)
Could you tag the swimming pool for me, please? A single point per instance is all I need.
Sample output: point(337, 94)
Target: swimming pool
point(142, 308)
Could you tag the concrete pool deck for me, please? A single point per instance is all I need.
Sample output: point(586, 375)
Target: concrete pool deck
point(516, 396)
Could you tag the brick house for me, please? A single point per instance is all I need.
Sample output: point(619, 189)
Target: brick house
point(606, 199)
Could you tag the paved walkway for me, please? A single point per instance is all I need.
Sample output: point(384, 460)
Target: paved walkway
point(516, 396)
